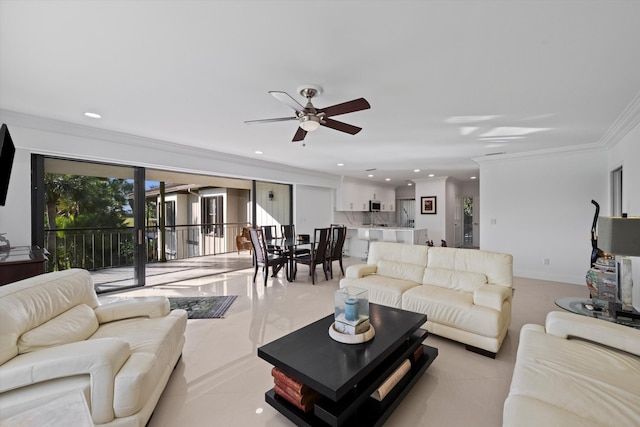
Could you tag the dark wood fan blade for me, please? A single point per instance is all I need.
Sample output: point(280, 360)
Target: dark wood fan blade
point(300, 134)
point(345, 107)
point(343, 127)
point(280, 119)
point(285, 98)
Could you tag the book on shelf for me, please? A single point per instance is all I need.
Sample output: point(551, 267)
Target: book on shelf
point(417, 354)
point(391, 381)
point(292, 383)
point(309, 396)
point(303, 407)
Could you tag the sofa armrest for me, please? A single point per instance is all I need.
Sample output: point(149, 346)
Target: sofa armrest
point(566, 325)
point(357, 271)
point(127, 308)
point(492, 296)
point(101, 359)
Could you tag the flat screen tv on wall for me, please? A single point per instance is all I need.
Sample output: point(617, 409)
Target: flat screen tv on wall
point(7, 151)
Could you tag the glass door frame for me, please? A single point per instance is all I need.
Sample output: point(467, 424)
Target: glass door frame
point(38, 209)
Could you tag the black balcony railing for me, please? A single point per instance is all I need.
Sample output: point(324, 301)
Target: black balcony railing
point(100, 248)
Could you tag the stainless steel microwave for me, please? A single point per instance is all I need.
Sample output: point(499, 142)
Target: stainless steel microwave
point(374, 206)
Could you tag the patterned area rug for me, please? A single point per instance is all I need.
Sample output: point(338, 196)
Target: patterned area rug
point(203, 307)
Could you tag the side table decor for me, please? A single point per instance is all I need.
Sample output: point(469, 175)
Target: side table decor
point(620, 236)
point(351, 315)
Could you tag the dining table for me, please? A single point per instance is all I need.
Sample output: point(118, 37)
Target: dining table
point(288, 246)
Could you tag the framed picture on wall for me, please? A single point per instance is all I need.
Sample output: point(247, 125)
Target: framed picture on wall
point(428, 205)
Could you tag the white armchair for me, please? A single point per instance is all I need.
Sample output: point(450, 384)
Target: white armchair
point(55, 338)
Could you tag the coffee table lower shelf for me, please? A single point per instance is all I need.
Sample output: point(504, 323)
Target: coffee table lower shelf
point(370, 413)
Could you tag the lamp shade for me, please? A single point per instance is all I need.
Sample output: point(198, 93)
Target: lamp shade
point(619, 236)
point(309, 123)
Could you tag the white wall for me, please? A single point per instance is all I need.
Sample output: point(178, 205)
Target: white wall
point(540, 207)
point(436, 225)
point(313, 208)
point(15, 215)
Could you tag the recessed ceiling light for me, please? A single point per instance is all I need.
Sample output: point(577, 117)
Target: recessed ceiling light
point(370, 175)
point(416, 170)
point(258, 152)
point(473, 177)
point(340, 164)
point(93, 115)
point(431, 175)
point(409, 184)
point(387, 179)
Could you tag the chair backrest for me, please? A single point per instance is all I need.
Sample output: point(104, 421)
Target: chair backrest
point(320, 243)
point(288, 231)
point(269, 231)
point(338, 236)
point(259, 245)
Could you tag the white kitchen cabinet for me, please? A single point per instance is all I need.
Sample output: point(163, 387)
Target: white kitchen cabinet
point(355, 196)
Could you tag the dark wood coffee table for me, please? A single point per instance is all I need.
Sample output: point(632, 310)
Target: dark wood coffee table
point(346, 374)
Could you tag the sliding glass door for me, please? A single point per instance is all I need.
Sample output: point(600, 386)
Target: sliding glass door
point(132, 226)
point(91, 219)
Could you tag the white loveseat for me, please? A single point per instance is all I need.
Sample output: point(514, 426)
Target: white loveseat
point(55, 339)
point(465, 293)
point(575, 371)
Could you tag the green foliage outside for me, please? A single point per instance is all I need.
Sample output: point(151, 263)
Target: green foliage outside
point(74, 203)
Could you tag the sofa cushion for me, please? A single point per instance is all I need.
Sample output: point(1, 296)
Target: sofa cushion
point(455, 309)
point(498, 267)
point(29, 303)
point(400, 270)
point(591, 384)
point(382, 290)
point(456, 280)
point(399, 252)
point(76, 324)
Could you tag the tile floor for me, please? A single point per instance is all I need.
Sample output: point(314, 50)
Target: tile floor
point(220, 381)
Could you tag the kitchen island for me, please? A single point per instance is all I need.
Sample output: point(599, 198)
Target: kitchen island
point(358, 239)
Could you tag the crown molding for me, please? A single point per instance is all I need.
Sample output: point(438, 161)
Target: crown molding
point(550, 152)
point(83, 131)
point(627, 121)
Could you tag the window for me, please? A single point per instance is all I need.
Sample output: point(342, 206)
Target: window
point(213, 215)
point(170, 213)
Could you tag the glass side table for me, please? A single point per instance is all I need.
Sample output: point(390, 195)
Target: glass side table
point(601, 310)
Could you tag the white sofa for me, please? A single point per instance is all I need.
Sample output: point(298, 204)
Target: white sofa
point(575, 371)
point(465, 293)
point(55, 339)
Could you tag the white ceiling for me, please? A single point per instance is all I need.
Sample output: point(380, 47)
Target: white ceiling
point(191, 72)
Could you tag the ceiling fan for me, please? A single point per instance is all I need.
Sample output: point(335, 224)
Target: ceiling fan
point(311, 118)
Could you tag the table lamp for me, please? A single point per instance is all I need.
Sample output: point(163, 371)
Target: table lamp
point(620, 236)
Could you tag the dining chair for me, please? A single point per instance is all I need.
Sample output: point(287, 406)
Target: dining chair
point(270, 232)
point(338, 236)
point(269, 235)
point(316, 256)
point(262, 257)
point(289, 232)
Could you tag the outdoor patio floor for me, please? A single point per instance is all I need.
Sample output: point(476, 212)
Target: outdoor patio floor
point(160, 273)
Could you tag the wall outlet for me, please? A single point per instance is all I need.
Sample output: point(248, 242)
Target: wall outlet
point(545, 261)
point(493, 221)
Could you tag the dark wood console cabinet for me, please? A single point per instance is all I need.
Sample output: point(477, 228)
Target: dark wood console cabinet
point(21, 262)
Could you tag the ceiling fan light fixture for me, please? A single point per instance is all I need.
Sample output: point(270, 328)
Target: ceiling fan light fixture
point(309, 123)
